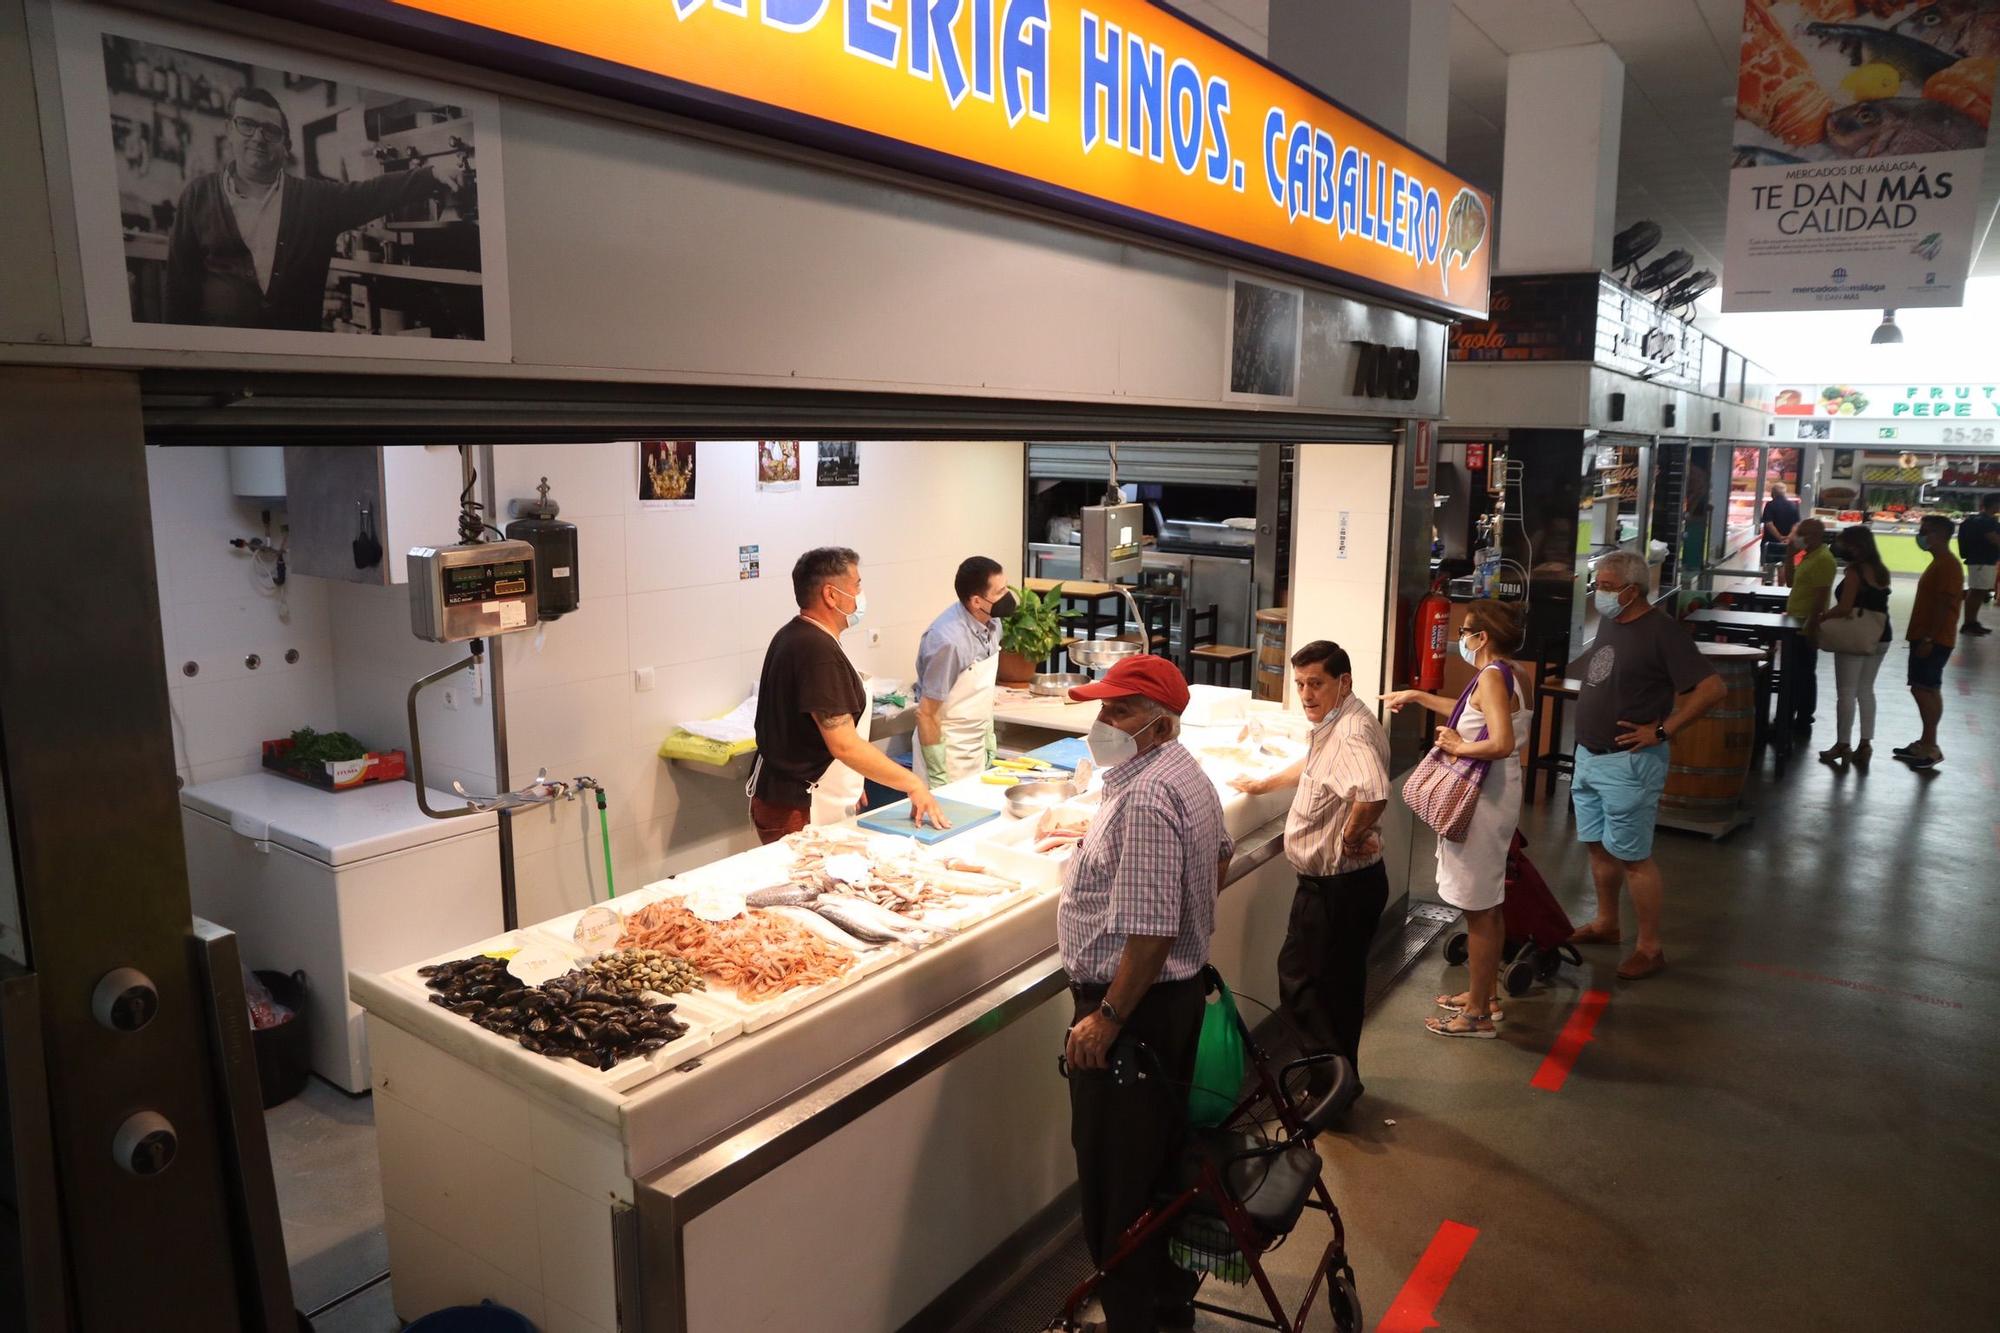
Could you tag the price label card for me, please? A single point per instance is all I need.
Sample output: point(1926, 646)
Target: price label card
point(533, 964)
point(598, 929)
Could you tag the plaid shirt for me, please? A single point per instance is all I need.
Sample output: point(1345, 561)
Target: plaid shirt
point(1148, 866)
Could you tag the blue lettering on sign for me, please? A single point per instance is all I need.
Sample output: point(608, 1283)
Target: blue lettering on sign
point(1433, 225)
point(1145, 89)
point(736, 7)
point(1349, 215)
point(1322, 177)
point(1274, 130)
point(1298, 171)
point(1024, 60)
point(1102, 105)
point(1218, 134)
point(1184, 113)
point(982, 49)
point(793, 15)
point(1399, 217)
point(932, 42)
point(869, 38)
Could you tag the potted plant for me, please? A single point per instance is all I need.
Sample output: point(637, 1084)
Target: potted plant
point(1029, 635)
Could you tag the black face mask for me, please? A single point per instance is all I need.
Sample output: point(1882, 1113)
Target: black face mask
point(1006, 606)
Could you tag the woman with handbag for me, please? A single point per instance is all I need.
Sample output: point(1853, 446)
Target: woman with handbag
point(1474, 758)
point(1855, 629)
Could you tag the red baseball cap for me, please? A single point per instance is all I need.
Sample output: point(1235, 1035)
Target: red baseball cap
point(1154, 677)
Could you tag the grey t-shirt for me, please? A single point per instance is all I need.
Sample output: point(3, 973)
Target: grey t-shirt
point(1631, 673)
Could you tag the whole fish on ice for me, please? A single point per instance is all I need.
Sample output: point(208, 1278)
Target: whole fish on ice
point(865, 921)
point(1900, 125)
point(1969, 28)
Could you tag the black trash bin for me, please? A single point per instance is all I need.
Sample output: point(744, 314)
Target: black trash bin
point(284, 1052)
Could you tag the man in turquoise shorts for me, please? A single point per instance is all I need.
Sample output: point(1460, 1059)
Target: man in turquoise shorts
point(1643, 680)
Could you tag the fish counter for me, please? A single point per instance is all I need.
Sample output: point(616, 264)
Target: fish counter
point(613, 1120)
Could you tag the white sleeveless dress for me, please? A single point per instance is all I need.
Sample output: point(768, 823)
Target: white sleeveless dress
point(1472, 875)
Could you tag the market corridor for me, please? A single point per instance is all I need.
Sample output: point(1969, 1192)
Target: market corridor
point(1785, 1129)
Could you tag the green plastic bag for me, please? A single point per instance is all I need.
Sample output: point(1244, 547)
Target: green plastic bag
point(1219, 1061)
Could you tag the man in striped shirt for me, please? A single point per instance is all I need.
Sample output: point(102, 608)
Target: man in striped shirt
point(1332, 841)
point(1133, 927)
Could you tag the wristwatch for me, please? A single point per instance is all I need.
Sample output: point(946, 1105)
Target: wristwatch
point(1105, 1008)
point(1660, 732)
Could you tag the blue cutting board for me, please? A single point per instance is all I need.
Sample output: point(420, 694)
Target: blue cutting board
point(1065, 753)
point(896, 819)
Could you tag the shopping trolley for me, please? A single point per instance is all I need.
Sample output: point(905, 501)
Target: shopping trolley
point(1239, 1189)
point(1538, 929)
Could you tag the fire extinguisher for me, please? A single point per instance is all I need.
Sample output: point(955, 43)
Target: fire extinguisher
point(1433, 623)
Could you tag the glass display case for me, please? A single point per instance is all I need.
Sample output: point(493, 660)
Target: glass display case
point(1746, 494)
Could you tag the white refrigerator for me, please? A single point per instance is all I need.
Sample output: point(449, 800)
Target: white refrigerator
point(326, 882)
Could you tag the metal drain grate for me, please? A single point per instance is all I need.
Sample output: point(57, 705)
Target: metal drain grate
point(1037, 1296)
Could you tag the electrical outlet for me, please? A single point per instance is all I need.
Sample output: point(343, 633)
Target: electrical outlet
point(642, 679)
point(874, 638)
point(451, 698)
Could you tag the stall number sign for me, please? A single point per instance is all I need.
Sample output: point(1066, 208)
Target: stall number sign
point(1386, 372)
point(1115, 108)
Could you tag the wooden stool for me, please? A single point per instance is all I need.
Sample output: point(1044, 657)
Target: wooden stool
point(1223, 659)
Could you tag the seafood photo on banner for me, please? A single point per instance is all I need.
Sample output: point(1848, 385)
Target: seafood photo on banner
point(1839, 80)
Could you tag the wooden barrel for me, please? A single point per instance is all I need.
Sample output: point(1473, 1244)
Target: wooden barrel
point(1273, 654)
point(1710, 757)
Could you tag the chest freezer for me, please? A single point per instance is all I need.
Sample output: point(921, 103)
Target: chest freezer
point(330, 882)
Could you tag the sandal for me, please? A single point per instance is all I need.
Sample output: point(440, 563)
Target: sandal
point(1478, 1028)
point(1450, 1004)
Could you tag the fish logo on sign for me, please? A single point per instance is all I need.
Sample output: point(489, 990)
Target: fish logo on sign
point(1839, 276)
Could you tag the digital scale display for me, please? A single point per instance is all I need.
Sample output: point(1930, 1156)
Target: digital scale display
point(484, 583)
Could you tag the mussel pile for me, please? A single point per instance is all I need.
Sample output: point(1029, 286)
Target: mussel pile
point(574, 1016)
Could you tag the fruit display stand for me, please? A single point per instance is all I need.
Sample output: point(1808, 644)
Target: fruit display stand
point(883, 1136)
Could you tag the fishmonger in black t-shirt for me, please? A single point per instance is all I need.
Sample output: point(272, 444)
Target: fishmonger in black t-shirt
point(809, 700)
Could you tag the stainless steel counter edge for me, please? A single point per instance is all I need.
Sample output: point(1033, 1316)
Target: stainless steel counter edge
point(758, 1145)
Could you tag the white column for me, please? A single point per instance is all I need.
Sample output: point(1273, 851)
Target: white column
point(1390, 60)
point(1559, 184)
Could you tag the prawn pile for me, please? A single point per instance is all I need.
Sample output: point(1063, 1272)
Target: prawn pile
point(760, 954)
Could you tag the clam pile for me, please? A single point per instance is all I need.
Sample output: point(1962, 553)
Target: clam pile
point(576, 1016)
point(638, 971)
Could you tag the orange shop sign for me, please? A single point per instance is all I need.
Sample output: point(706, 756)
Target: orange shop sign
point(1115, 108)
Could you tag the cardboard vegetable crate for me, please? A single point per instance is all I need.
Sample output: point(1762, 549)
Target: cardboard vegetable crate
point(335, 774)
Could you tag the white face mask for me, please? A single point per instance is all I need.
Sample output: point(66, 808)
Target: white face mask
point(860, 606)
point(1109, 746)
point(1468, 652)
point(1608, 604)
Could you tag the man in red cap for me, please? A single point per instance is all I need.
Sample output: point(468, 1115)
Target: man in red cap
point(1133, 926)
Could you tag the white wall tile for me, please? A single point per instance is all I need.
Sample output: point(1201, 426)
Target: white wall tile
point(435, 1273)
point(577, 1269)
point(590, 641)
point(473, 1102)
point(458, 1187)
point(230, 719)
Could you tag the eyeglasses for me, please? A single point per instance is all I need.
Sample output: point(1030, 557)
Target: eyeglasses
point(257, 129)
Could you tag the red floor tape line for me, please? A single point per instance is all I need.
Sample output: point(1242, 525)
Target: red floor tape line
point(1575, 1036)
point(1411, 1311)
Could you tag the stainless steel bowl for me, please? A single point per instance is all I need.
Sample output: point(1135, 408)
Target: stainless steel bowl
point(1057, 682)
point(1025, 800)
point(1097, 654)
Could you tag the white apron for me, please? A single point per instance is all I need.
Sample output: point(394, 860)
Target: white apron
point(966, 719)
point(837, 794)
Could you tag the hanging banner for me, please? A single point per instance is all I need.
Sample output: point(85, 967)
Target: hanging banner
point(1860, 129)
point(1118, 109)
point(1891, 402)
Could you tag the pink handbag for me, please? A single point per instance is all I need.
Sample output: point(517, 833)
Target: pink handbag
point(1444, 791)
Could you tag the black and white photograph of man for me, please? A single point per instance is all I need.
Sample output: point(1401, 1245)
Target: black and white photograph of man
point(268, 192)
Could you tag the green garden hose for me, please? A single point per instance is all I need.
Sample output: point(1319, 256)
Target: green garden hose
point(604, 827)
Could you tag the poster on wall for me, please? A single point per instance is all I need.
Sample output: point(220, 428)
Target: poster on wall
point(666, 474)
point(839, 462)
point(1265, 325)
point(777, 465)
point(237, 197)
point(1861, 127)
